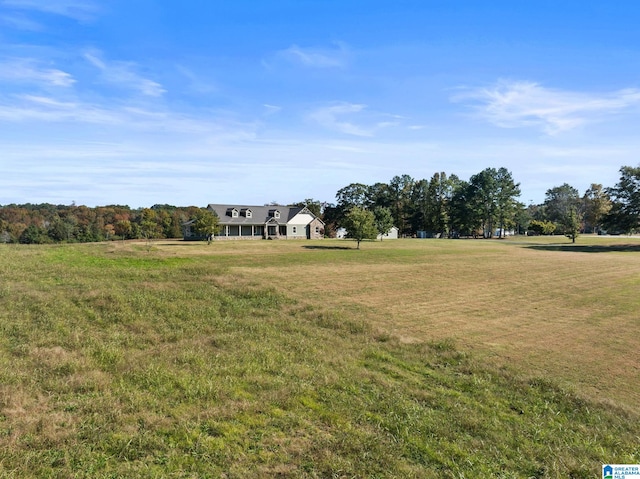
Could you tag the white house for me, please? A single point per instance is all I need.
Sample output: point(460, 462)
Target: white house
point(263, 222)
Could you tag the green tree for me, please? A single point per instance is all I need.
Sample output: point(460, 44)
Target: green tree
point(5, 237)
point(205, 223)
point(62, 229)
point(175, 227)
point(483, 199)
point(507, 206)
point(625, 214)
point(431, 201)
point(164, 222)
point(562, 206)
point(400, 188)
point(383, 220)
point(421, 206)
point(360, 224)
point(378, 195)
point(149, 227)
point(572, 224)
point(542, 227)
point(465, 220)
point(354, 194)
point(330, 216)
point(597, 204)
point(559, 200)
point(34, 235)
point(521, 218)
point(440, 191)
point(312, 205)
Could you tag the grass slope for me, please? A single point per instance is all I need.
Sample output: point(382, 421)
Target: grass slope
point(191, 362)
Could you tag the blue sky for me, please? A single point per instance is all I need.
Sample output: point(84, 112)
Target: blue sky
point(141, 102)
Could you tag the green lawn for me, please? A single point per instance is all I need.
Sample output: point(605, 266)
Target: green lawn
point(311, 359)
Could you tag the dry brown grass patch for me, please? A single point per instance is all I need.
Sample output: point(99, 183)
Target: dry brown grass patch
point(541, 306)
point(561, 314)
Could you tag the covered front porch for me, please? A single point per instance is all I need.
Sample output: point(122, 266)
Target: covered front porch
point(276, 231)
point(266, 231)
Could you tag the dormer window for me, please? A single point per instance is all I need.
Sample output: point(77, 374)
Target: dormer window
point(232, 212)
point(274, 213)
point(247, 213)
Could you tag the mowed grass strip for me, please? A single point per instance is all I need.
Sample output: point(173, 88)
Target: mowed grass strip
point(547, 308)
point(188, 361)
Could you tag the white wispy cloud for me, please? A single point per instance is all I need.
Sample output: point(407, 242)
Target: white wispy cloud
point(313, 57)
point(197, 82)
point(353, 119)
point(331, 117)
point(271, 109)
point(513, 104)
point(123, 74)
point(31, 71)
point(31, 108)
point(20, 21)
point(22, 108)
point(80, 10)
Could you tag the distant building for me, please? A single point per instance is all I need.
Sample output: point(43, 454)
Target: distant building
point(342, 233)
point(391, 234)
point(499, 232)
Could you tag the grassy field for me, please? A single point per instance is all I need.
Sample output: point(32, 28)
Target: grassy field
point(411, 358)
point(571, 312)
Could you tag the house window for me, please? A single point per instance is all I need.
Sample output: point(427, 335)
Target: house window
point(275, 213)
point(248, 214)
point(234, 213)
point(295, 230)
point(317, 230)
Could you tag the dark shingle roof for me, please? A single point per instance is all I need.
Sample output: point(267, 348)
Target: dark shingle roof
point(259, 214)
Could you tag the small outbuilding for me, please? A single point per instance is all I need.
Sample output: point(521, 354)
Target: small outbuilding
point(391, 234)
point(342, 233)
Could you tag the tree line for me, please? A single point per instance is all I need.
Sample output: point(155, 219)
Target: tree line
point(485, 205)
point(47, 223)
point(444, 205)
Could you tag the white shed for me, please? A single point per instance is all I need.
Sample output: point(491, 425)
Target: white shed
point(391, 234)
